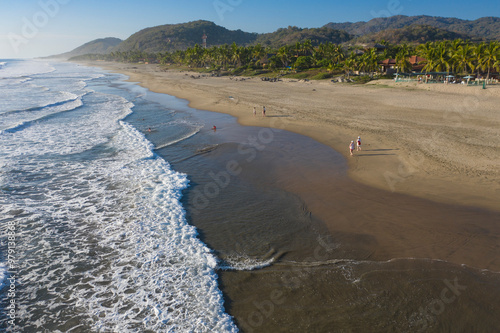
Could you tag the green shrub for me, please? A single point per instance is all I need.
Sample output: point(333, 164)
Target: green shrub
point(322, 76)
point(361, 79)
point(298, 76)
point(303, 62)
point(239, 70)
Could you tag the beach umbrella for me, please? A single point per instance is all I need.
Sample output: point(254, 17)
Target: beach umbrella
point(468, 77)
point(448, 77)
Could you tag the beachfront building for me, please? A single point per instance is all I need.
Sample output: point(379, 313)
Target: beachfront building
point(389, 66)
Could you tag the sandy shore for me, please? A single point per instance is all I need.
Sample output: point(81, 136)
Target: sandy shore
point(427, 156)
point(435, 141)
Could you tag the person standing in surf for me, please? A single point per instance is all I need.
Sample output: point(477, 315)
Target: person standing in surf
point(359, 143)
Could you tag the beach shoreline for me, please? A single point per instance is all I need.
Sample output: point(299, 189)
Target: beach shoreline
point(313, 241)
point(432, 141)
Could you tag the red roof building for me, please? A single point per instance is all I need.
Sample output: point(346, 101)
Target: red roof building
point(389, 66)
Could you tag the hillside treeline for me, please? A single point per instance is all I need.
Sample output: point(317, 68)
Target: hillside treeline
point(452, 56)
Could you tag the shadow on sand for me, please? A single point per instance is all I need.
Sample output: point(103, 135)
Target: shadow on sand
point(380, 149)
point(373, 154)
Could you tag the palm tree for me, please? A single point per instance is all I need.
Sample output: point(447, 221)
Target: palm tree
point(403, 62)
point(306, 48)
point(464, 58)
point(224, 55)
point(319, 57)
point(479, 51)
point(350, 64)
point(491, 56)
point(258, 52)
point(442, 59)
point(323, 50)
point(453, 48)
point(402, 59)
point(214, 56)
point(426, 51)
point(369, 61)
point(297, 49)
point(338, 53)
point(194, 55)
point(285, 55)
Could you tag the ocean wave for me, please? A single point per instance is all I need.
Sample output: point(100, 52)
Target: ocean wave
point(3, 275)
point(32, 95)
point(13, 121)
point(104, 237)
point(90, 125)
point(25, 68)
point(182, 138)
point(64, 98)
point(237, 262)
point(244, 264)
point(120, 216)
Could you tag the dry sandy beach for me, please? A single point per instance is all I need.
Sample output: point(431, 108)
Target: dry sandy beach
point(433, 141)
point(421, 144)
point(367, 245)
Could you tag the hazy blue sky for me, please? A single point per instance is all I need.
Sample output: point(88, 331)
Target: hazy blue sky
point(30, 28)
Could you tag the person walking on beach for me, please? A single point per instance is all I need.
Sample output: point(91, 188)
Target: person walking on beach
point(351, 147)
point(263, 111)
point(254, 111)
point(359, 143)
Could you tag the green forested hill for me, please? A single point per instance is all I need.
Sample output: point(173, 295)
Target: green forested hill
point(395, 30)
point(98, 46)
point(291, 35)
point(181, 36)
point(172, 37)
point(486, 27)
point(414, 34)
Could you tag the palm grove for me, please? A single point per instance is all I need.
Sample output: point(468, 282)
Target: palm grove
point(451, 56)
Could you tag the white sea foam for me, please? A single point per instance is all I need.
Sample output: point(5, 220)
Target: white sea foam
point(103, 237)
point(18, 68)
point(3, 275)
point(19, 119)
point(240, 263)
point(182, 138)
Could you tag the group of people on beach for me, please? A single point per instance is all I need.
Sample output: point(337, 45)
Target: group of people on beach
point(263, 111)
point(356, 145)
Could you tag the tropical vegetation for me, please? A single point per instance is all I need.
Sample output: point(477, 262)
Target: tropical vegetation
point(461, 57)
point(455, 56)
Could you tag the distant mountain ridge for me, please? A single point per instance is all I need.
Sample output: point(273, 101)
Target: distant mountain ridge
point(485, 27)
point(411, 34)
point(172, 37)
point(291, 35)
point(97, 46)
point(395, 29)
